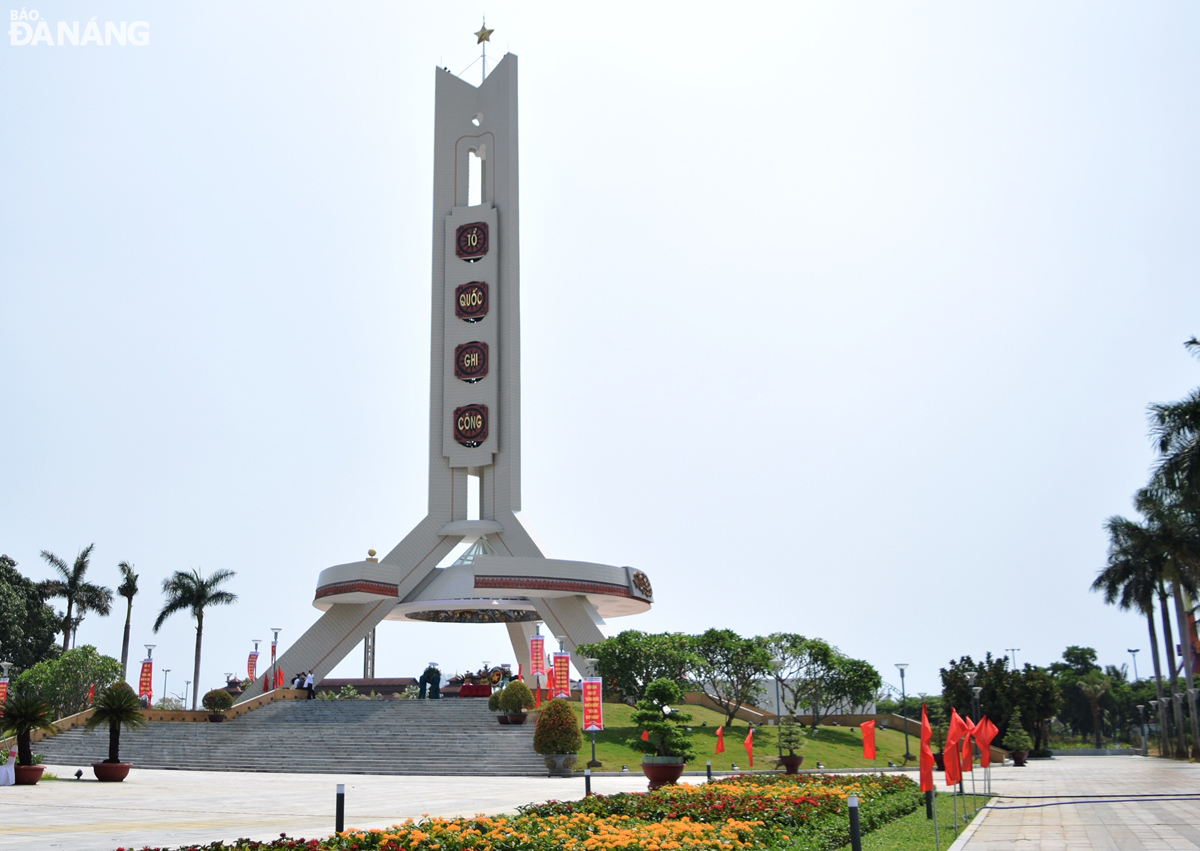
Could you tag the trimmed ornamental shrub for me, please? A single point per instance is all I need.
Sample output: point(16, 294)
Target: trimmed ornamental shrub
point(557, 730)
point(494, 702)
point(217, 700)
point(516, 698)
point(665, 726)
point(1016, 739)
point(791, 736)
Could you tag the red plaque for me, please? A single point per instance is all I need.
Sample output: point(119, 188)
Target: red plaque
point(471, 425)
point(471, 301)
point(471, 241)
point(471, 361)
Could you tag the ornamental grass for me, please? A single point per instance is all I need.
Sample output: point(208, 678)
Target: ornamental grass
point(799, 812)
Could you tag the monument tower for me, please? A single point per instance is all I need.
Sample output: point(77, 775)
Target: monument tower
point(474, 426)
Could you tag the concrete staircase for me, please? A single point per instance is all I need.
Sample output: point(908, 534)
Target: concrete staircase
point(429, 737)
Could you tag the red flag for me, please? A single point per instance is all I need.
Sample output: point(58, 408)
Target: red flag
point(537, 698)
point(721, 739)
point(278, 677)
point(91, 693)
point(749, 743)
point(266, 683)
point(645, 735)
point(950, 755)
point(868, 731)
point(985, 732)
point(520, 676)
point(550, 681)
point(926, 764)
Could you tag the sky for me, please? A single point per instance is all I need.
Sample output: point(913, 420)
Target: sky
point(838, 318)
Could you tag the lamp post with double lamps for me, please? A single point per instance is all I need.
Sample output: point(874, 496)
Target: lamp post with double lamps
point(164, 697)
point(776, 667)
point(1133, 651)
point(903, 707)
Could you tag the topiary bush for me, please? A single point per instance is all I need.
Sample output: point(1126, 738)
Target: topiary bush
point(557, 730)
point(494, 702)
point(516, 698)
point(218, 700)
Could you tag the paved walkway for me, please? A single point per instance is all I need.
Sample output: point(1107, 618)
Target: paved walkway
point(1101, 802)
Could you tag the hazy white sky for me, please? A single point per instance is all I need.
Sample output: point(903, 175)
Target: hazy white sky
point(839, 318)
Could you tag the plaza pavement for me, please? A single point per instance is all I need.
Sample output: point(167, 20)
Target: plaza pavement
point(1102, 802)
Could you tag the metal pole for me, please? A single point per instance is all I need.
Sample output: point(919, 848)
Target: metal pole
point(855, 836)
point(1142, 712)
point(708, 769)
point(1133, 651)
point(903, 707)
point(339, 818)
point(587, 783)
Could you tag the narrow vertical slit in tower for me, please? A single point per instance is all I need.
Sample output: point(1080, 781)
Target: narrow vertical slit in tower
point(474, 178)
point(473, 497)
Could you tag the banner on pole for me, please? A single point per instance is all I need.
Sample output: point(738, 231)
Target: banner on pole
point(868, 734)
point(3, 689)
point(252, 665)
point(593, 706)
point(562, 675)
point(537, 658)
point(145, 682)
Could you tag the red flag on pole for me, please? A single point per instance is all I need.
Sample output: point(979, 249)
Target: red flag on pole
point(550, 681)
point(985, 732)
point(645, 735)
point(950, 758)
point(91, 693)
point(749, 743)
point(868, 731)
point(967, 762)
point(927, 762)
point(278, 677)
point(266, 683)
point(520, 676)
point(721, 739)
point(537, 698)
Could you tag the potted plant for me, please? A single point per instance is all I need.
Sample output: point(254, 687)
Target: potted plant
point(791, 736)
point(117, 706)
point(1019, 743)
point(217, 702)
point(24, 712)
point(937, 743)
point(494, 706)
point(516, 699)
point(667, 746)
point(557, 737)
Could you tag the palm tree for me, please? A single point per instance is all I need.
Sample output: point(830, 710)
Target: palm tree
point(80, 594)
point(1176, 430)
point(127, 589)
point(191, 591)
point(1093, 686)
point(116, 706)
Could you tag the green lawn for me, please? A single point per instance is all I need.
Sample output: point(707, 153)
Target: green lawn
point(915, 831)
point(836, 747)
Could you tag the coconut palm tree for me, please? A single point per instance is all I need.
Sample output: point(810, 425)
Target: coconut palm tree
point(127, 589)
point(192, 592)
point(81, 595)
point(1176, 430)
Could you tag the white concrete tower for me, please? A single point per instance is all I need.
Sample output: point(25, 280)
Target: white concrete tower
point(474, 426)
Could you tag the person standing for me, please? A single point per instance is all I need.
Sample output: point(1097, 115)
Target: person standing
point(310, 686)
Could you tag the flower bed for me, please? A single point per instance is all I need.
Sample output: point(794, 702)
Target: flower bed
point(805, 813)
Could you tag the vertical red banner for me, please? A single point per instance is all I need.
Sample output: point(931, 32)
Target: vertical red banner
point(273, 643)
point(537, 658)
point(252, 665)
point(145, 683)
point(562, 675)
point(3, 689)
point(593, 704)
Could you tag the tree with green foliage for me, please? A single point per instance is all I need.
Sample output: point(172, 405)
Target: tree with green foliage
point(1093, 685)
point(630, 660)
point(27, 623)
point(807, 667)
point(729, 668)
point(854, 682)
point(998, 698)
point(127, 589)
point(665, 724)
point(191, 591)
point(1039, 700)
point(557, 730)
point(72, 585)
point(64, 682)
point(23, 713)
point(116, 707)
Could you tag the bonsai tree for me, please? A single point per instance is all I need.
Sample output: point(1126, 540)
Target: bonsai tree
point(1016, 739)
point(217, 701)
point(791, 736)
point(516, 698)
point(557, 731)
point(665, 725)
point(117, 706)
point(24, 712)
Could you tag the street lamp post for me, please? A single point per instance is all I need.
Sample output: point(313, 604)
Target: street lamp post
point(1154, 708)
point(186, 683)
point(1134, 652)
point(903, 707)
point(1142, 713)
point(1013, 651)
point(165, 672)
point(777, 666)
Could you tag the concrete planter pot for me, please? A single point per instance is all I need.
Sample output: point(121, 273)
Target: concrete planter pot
point(664, 772)
point(561, 764)
point(503, 719)
point(518, 718)
point(216, 717)
point(791, 763)
point(1019, 757)
point(28, 775)
point(111, 772)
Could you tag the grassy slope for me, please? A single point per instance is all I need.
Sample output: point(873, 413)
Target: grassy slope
point(915, 831)
point(836, 747)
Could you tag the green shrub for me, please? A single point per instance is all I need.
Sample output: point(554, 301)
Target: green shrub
point(516, 698)
point(348, 692)
point(218, 700)
point(557, 730)
point(668, 736)
point(1016, 739)
point(494, 702)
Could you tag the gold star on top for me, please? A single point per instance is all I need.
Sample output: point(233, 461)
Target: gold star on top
point(484, 34)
